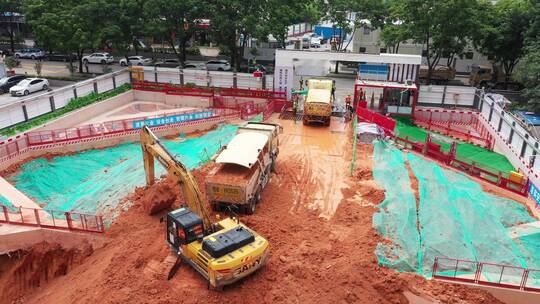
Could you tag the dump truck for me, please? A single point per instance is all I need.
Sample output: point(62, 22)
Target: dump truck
point(224, 251)
point(319, 101)
point(441, 74)
point(244, 167)
point(491, 76)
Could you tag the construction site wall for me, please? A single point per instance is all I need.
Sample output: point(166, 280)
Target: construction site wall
point(448, 96)
point(74, 118)
point(205, 78)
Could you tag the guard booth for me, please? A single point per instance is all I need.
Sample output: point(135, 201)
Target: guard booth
point(386, 82)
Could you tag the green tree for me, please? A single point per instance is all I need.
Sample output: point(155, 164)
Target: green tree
point(70, 26)
point(127, 24)
point(443, 27)
point(503, 36)
point(529, 75)
point(349, 15)
point(8, 9)
point(176, 21)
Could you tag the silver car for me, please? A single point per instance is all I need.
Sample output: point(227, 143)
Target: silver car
point(218, 65)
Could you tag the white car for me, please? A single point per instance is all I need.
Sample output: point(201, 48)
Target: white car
point(31, 53)
point(218, 65)
point(135, 60)
point(102, 58)
point(194, 66)
point(29, 85)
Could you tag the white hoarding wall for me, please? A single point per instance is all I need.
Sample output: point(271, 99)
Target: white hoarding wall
point(447, 96)
point(511, 137)
point(26, 108)
point(205, 78)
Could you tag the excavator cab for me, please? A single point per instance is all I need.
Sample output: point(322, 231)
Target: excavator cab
point(183, 227)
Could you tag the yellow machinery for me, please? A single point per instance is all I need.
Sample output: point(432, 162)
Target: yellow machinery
point(319, 101)
point(222, 252)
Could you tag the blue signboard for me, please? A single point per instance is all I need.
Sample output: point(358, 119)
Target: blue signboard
point(534, 193)
point(167, 120)
point(373, 71)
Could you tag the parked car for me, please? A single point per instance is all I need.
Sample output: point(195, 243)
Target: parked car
point(168, 63)
point(135, 60)
point(61, 57)
point(103, 58)
point(32, 53)
point(7, 82)
point(29, 85)
point(194, 66)
point(218, 65)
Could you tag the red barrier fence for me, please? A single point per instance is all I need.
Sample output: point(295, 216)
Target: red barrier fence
point(387, 123)
point(50, 219)
point(487, 274)
point(472, 168)
point(462, 125)
point(228, 104)
point(114, 127)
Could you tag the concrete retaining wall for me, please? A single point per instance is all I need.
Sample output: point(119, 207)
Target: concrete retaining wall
point(74, 118)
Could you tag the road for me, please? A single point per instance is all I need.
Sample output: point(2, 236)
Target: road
point(58, 68)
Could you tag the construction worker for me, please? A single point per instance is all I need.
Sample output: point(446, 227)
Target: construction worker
point(348, 107)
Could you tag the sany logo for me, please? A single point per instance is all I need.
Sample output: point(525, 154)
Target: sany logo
point(247, 266)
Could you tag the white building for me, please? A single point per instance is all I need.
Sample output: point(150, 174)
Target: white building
point(366, 40)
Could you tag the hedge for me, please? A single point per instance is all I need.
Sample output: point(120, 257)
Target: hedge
point(73, 104)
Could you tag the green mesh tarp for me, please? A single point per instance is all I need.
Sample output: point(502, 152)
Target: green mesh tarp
point(96, 180)
point(454, 218)
point(398, 211)
point(483, 158)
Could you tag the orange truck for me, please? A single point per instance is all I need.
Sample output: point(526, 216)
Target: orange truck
point(244, 167)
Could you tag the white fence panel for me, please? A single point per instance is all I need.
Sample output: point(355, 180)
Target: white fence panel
point(38, 107)
point(105, 85)
point(63, 98)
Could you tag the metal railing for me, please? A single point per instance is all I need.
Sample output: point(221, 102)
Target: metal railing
point(487, 274)
point(51, 219)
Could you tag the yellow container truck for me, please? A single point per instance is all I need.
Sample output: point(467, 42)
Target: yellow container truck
point(319, 101)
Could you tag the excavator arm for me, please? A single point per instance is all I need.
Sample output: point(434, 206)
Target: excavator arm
point(153, 149)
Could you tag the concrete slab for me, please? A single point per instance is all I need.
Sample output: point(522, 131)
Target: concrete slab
point(16, 197)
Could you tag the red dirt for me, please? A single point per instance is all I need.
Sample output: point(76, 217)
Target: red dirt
point(313, 260)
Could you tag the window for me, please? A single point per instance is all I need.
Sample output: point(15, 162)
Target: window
point(362, 50)
point(35, 81)
point(382, 50)
point(133, 58)
point(469, 55)
point(424, 53)
point(367, 31)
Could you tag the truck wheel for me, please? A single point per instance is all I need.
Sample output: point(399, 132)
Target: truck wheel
point(304, 121)
point(215, 206)
point(251, 207)
point(327, 122)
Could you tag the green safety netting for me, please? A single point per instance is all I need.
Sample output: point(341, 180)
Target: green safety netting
point(96, 180)
point(455, 218)
point(399, 216)
point(483, 158)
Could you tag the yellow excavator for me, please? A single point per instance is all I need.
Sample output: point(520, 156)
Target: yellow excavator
point(222, 252)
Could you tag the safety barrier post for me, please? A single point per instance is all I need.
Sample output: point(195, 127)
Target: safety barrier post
point(524, 278)
point(353, 162)
point(36, 213)
point(6, 214)
point(68, 220)
point(478, 272)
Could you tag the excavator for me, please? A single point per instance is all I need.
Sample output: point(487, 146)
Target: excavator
point(222, 252)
